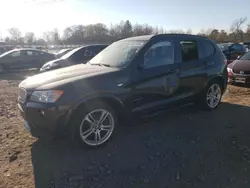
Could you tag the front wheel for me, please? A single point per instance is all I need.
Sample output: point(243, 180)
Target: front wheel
point(96, 125)
point(210, 98)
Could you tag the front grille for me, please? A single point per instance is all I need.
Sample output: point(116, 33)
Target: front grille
point(22, 95)
point(241, 72)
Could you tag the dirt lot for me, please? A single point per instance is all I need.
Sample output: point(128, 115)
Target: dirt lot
point(183, 148)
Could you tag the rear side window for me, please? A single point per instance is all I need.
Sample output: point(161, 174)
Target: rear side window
point(189, 51)
point(208, 48)
point(30, 53)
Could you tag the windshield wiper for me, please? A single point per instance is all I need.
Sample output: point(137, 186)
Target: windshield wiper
point(100, 64)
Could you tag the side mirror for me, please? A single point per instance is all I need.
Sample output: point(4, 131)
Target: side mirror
point(238, 57)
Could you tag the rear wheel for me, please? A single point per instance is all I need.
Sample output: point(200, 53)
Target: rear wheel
point(210, 98)
point(95, 124)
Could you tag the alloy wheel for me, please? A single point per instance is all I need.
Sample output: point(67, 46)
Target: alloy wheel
point(97, 127)
point(213, 95)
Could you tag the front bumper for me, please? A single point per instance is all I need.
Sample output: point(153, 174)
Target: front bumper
point(241, 79)
point(44, 120)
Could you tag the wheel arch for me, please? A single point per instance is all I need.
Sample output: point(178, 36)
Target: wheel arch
point(113, 101)
point(220, 80)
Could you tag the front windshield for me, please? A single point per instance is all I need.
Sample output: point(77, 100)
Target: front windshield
point(246, 56)
point(67, 55)
point(118, 54)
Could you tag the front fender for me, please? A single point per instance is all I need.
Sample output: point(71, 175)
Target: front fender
point(96, 96)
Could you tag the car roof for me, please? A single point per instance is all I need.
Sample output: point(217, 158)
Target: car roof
point(149, 37)
point(19, 49)
point(95, 45)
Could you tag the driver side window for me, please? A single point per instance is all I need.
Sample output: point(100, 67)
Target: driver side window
point(160, 54)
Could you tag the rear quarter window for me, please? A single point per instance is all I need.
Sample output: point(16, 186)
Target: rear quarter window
point(208, 48)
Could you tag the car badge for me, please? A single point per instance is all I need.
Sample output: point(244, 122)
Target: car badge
point(241, 72)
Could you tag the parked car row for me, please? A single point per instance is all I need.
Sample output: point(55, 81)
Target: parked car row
point(25, 58)
point(137, 76)
point(232, 50)
point(73, 57)
point(239, 70)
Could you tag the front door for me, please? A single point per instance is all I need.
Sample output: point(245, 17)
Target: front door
point(156, 80)
point(13, 61)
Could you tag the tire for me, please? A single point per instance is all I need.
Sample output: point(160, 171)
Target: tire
point(210, 97)
point(1, 69)
point(88, 129)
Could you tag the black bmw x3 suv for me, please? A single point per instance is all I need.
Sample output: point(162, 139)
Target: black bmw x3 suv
point(133, 76)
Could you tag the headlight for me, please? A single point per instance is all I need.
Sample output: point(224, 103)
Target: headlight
point(48, 96)
point(229, 69)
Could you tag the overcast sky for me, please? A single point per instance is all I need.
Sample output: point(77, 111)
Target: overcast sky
point(43, 15)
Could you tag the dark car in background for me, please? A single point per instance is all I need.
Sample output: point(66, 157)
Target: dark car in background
point(24, 58)
point(232, 51)
point(79, 55)
point(239, 70)
point(247, 45)
point(62, 52)
point(132, 77)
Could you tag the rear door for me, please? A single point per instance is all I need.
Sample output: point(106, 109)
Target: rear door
point(30, 59)
point(156, 80)
point(193, 72)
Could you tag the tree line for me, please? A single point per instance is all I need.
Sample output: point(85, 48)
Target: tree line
point(100, 33)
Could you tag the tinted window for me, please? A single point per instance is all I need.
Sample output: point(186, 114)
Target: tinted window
point(78, 55)
point(189, 51)
point(208, 48)
point(96, 49)
point(15, 54)
point(159, 54)
point(88, 53)
point(29, 53)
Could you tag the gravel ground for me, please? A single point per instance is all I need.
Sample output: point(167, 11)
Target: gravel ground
point(183, 148)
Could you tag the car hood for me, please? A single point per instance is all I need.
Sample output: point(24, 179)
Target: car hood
point(240, 65)
point(63, 76)
point(58, 62)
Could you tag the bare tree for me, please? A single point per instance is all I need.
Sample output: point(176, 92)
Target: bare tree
point(221, 37)
point(15, 34)
point(29, 38)
point(144, 29)
point(236, 28)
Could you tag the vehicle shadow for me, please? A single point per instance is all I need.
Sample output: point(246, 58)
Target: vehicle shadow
point(186, 147)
